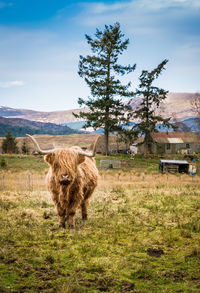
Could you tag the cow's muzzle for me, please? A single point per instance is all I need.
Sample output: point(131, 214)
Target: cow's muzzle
point(65, 180)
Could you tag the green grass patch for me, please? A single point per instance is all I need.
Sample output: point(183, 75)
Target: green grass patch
point(109, 252)
point(17, 163)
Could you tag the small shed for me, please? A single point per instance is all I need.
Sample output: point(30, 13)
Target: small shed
point(173, 166)
point(175, 142)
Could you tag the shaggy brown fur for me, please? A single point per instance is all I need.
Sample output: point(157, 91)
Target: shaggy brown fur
point(71, 179)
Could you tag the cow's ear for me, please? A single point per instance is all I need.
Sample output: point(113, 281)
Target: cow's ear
point(49, 158)
point(81, 159)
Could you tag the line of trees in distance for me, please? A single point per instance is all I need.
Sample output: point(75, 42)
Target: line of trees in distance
point(9, 145)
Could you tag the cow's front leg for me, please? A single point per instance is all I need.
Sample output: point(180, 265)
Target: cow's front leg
point(61, 209)
point(61, 214)
point(75, 200)
point(71, 219)
point(84, 209)
point(71, 211)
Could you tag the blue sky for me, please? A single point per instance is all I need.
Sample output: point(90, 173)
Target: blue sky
point(41, 41)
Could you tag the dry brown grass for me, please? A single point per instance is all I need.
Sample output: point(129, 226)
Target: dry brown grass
point(57, 141)
point(22, 181)
point(150, 180)
point(107, 179)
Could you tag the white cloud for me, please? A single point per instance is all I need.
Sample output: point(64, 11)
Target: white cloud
point(161, 4)
point(8, 84)
point(145, 17)
point(146, 5)
point(98, 8)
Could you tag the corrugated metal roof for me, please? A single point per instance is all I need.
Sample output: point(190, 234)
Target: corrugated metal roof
point(179, 162)
point(175, 137)
point(175, 140)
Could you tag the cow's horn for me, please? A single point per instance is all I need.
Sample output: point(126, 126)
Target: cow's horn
point(93, 151)
point(42, 152)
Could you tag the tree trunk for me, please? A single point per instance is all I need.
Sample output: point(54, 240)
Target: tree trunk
point(106, 141)
point(106, 129)
point(147, 140)
point(147, 145)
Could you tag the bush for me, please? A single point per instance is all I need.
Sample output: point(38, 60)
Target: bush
point(24, 148)
point(3, 163)
point(9, 144)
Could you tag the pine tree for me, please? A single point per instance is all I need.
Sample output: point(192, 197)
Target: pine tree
point(151, 98)
point(128, 136)
point(9, 144)
point(106, 109)
point(24, 148)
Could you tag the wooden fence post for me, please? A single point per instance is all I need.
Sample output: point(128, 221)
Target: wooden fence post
point(2, 182)
point(29, 182)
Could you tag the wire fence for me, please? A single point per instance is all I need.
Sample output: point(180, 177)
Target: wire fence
point(21, 181)
point(110, 164)
point(36, 182)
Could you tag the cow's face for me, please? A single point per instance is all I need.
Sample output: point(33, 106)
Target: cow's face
point(64, 165)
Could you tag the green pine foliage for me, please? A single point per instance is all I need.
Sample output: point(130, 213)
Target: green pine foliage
point(9, 144)
point(99, 71)
point(3, 163)
point(24, 148)
point(152, 96)
point(128, 136)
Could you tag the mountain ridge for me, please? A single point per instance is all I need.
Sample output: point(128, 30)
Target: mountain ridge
point(56, 117)
point(22, 121)
point(19, 127)
point(170, 107)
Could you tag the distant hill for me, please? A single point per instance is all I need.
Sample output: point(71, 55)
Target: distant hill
point(19, 127)
point(177, 105)
point(77, 125)
point(57, 117)
point(192, 123)
point(187, 125)
point(10, 112)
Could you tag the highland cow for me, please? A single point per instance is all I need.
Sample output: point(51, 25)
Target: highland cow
point(71, 179)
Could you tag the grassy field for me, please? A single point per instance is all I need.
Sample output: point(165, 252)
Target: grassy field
point(143, 233)
point(56, 141)
point(18, 163)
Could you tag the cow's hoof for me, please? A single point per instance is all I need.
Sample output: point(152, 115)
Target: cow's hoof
point(62, 225)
